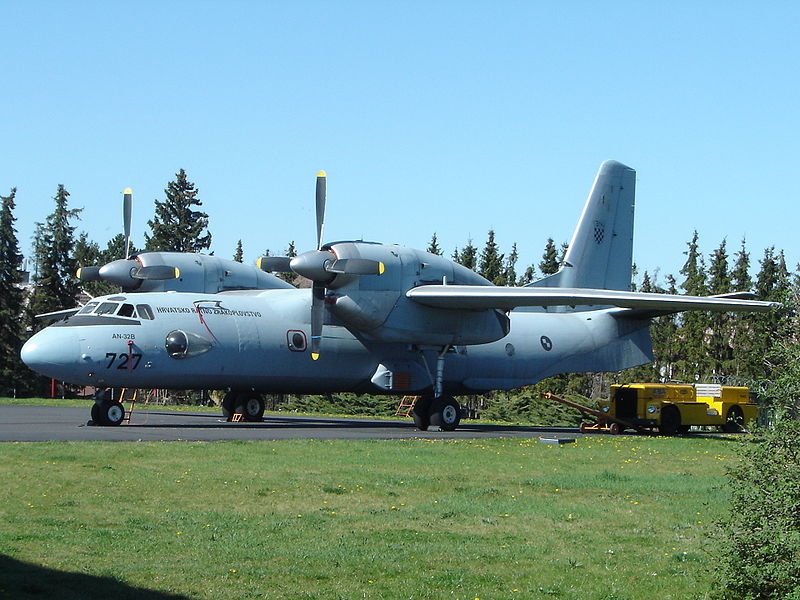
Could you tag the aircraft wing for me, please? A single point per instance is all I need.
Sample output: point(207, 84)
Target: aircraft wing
point(476, 297)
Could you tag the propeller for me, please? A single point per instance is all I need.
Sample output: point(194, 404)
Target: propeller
point(128, 273)
point(321, 266)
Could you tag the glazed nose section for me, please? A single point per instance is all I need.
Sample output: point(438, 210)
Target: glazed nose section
point(52, 352)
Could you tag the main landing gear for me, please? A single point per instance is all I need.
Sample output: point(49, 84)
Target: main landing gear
point(443, 412)
point(248, 404)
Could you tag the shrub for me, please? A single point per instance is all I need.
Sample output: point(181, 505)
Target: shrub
point(759, 549)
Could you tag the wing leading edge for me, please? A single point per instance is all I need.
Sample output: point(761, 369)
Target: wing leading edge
point(471, 297)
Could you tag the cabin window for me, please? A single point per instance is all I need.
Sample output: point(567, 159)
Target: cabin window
point(145, 312)
point(127, 311)
point(107, 308)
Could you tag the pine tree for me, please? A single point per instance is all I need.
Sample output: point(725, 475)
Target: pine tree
point(12, 299)
point(740, 275)
point(491, 263)
point(468, 256)
point(719, 282)
point(692, 349)
point(528, 276)
point(510, 274)
point(88, 253)
point(238, 256)
point(549, 262)
point(54, 247)
point(433, 247)
point(176, 226)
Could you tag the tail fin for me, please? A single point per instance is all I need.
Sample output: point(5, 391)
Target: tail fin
point(600, 254)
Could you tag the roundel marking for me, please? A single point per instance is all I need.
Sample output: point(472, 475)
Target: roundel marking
point(547, 343)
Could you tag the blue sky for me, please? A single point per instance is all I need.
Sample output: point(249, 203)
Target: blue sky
point(446, 117)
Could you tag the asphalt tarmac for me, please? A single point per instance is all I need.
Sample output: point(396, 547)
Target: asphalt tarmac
point(55, 423)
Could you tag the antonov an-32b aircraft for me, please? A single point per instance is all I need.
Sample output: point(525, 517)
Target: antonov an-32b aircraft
point(377, 319)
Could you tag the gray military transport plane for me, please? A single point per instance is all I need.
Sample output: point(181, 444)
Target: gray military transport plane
point(377, 319)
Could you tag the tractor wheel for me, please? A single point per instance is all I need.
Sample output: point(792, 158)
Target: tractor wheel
point(670, 420)
point(734, 420)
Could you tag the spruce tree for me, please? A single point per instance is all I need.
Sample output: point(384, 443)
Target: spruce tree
point(491, 263)
point(740, 275)
point(528, 276)
point(468, 256)
point(719, 282)
point(549, 263)
point(238, 256)
point(12, 299)
point(510, 274)
point(433, 247)
point(55, 286)
point(176, 226)
point(692, 350)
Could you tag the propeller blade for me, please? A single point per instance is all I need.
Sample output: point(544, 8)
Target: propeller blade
point(356, 266)
point(88, 274)
point(321, 193)
point(317, 316)
point(127, 202)
point(156, 272)
point(273, 264)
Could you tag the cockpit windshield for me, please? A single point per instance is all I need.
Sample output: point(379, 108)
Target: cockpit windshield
point(140, 311)
point(107, 308)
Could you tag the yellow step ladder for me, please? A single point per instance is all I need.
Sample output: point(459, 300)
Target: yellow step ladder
point(406, 406)
point(132, 396)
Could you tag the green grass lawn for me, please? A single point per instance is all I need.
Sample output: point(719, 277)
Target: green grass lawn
point(604, 518)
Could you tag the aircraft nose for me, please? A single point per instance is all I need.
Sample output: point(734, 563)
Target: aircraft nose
point(51, 352)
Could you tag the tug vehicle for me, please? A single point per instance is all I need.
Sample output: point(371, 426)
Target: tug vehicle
point(674, 408)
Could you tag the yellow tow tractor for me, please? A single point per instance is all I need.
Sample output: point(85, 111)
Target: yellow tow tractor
point(674, 408)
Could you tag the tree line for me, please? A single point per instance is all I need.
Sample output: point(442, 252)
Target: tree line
point(693, 346)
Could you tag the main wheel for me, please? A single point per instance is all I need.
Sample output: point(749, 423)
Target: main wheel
point(614, 428)
point(228, 405)
point(110, 413)
point(734, 420)
point(421, 413)
point(251, 406)
point(446, 413)
point(670, 420)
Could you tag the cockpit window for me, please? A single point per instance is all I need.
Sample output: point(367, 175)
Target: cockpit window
point(145, 312)
point(127, 310)
point(88, 308)
point(106, 308)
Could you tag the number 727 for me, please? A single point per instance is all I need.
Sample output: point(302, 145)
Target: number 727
point(122, 360)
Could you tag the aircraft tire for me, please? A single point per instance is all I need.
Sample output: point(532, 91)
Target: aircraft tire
point(421, 413)
point(228, 405)
point(96, 413)
point(670, 421)
point(111, 413)
point(251, 406)
point(445, 413)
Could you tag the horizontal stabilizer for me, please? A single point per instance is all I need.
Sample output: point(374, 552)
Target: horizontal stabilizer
point(506, 298)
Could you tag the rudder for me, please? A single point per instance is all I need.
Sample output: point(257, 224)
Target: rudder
point(600, 254)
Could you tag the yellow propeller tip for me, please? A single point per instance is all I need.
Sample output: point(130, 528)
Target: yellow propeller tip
point(381, 268)
point(322, 174)
point(128, 191)
point(78, 273)
point(314, 356)
point(177, 273)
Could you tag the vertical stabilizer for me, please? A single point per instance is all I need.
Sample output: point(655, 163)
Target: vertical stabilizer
point(600, 254)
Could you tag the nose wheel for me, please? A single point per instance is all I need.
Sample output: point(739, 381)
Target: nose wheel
point(108, 412)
